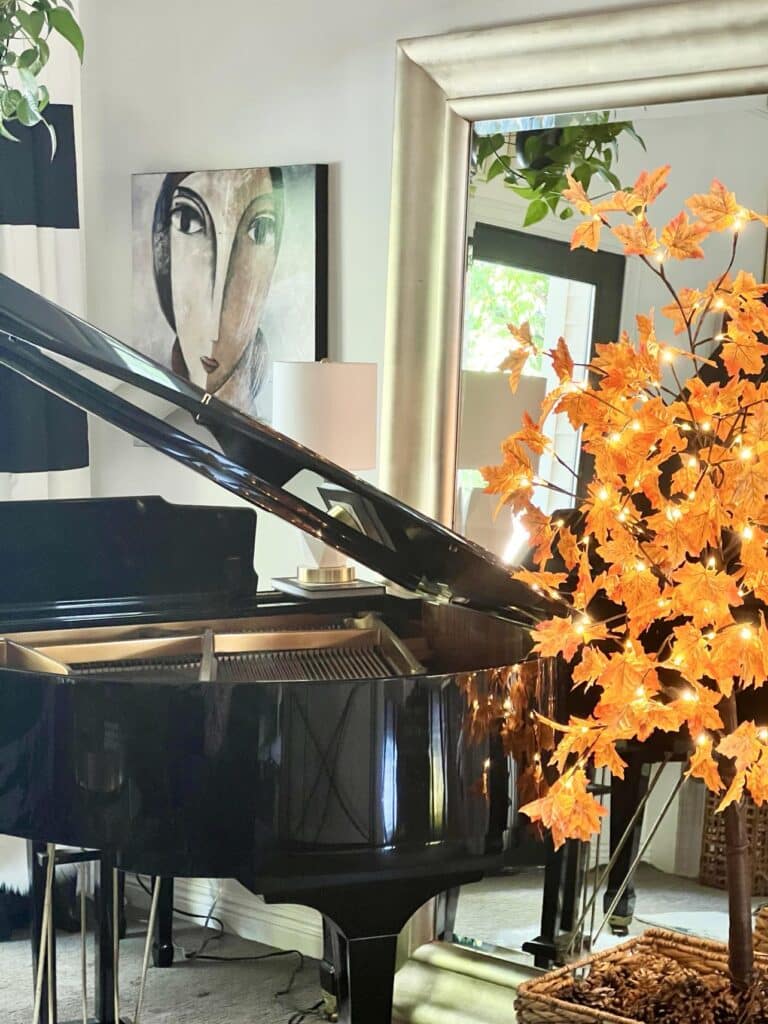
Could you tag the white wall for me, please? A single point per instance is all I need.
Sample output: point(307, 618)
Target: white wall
point(176, 84)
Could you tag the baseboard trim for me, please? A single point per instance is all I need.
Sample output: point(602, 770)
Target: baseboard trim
point(282, 925)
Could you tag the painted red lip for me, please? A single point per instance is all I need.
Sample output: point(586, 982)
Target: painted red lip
point(209, 364)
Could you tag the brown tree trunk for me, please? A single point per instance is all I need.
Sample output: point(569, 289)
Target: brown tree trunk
point(738, 876)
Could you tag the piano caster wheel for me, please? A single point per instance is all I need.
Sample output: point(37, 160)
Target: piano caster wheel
point(162, 956)
point(330, 1007)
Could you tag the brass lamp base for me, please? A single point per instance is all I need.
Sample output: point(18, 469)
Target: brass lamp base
point(325, 575)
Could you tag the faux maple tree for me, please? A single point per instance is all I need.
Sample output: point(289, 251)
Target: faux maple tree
point(665, 579)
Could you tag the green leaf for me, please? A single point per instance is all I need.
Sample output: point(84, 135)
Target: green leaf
point(27, 58)
point(44, 51)
point(64, 22)
point(9, 101)
point(524, 193)
point(5, 133)
point(496, 168)
point(32, 22)
point(29, 84)
point(537, 210)
point(610, 177)
point(27, 112)
point(52, 133)
point(43, 98)
point(566, 213)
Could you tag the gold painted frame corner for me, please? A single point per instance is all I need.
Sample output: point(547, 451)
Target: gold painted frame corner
point(647, 55)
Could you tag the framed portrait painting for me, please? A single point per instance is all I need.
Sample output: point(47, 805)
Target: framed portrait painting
point(230, 273)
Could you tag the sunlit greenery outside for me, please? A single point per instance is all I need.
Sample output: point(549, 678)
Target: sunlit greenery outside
point(498, 295)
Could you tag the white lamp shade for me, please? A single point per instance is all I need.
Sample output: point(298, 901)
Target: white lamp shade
point(330, 408)
point(489, 412)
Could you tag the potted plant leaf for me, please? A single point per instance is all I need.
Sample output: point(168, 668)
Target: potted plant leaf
point(26, 28)
point(664, 585)
point(536, 163)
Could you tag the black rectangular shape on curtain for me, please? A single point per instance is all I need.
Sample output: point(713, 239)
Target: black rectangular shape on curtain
point(38, 431)
point(33, 188)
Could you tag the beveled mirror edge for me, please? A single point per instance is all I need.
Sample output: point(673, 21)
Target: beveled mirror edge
point(446, 82)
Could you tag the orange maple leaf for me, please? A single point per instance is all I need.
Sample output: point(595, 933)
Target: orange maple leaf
point(638, 239)
point(703, 766)
point(590, 669)
point(734, 792)
point(705, 595)
point(743, 745)
point(567, 810)
point(685, 311)
point(562, 363)
point(576, 195)
point(565, 636)
point(568, 547)
point(514, 363)
point(757, 780)
point(587, 234)
point(717, 208)
point(540, 578)
point(650, 184)
point(531, 436)
point(682, 239)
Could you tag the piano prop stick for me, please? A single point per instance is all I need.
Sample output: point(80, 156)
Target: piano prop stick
point(322, 751)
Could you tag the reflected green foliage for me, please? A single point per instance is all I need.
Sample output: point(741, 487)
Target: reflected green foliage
point(497, 295)
point(27, 28)
point(534, 163)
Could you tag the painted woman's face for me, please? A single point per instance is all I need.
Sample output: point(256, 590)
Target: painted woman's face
point(223, 251)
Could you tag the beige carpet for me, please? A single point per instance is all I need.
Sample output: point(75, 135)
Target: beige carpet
point(195, 992)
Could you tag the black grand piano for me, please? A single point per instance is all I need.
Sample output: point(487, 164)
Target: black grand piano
point(181, 723)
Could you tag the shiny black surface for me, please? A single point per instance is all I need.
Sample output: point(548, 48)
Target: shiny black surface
point(110, 559)
point(255, 462)
point(279, 784)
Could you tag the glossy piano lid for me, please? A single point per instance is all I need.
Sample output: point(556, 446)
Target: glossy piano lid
point(252, 460)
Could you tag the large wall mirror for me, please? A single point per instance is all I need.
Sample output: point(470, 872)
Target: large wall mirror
point(468, 255)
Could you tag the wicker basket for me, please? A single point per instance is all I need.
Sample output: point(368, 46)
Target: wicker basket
point(713, 861)
point(760, 930)
point(538, 1003)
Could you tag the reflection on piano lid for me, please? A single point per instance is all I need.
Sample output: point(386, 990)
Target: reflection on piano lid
point(249, 459)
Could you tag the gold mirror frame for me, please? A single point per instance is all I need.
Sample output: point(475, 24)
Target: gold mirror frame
point(656, 54)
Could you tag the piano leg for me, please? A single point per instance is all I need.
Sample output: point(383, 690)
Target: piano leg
point(563, 881)
point(105, 925)
point(626, 794)
point(162, 948)
point(362, 925)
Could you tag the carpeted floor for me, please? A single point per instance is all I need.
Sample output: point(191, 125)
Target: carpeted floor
point(501, 911)
point(194, 992)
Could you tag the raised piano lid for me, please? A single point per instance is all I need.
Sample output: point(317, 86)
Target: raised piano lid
point(250, 459)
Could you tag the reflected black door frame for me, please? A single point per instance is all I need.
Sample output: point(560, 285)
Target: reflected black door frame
point(526, 251)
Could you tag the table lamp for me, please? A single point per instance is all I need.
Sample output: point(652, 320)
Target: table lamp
point(330, 408)
point(489, 412)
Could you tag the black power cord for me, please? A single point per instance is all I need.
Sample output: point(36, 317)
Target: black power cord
point(199, 954)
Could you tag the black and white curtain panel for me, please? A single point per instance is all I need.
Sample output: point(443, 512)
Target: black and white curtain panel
point(43, 441)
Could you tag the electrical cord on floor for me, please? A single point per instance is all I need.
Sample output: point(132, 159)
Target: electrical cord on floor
point(199, 954)
point(301, 1015)
point(197, 917)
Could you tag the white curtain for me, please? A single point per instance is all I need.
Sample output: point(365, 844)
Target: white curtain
point(50, 261)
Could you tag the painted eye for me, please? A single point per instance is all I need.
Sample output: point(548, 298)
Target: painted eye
point(187, 219)
point(261, 230)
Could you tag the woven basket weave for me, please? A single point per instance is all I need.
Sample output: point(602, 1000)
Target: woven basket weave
point(760, 930)
point(538, 1003)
